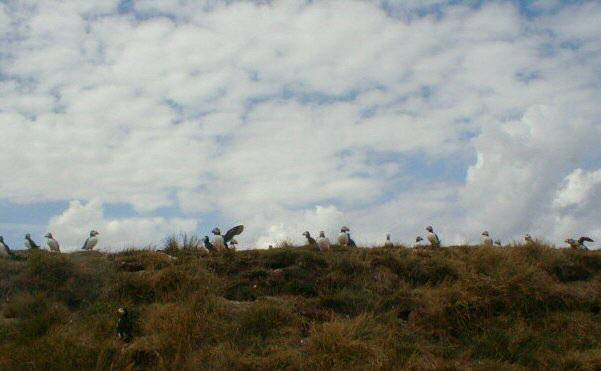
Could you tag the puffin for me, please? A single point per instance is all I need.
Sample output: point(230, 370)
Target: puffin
point(498, 243)
point(233, 244)
point(310, 240)
point(343, 237)
point(208, 245)
point(124, 325)
point(388, 242)
point(30, 244)
point(433, 237)
point(418, 242)
point(5, 251)
point(351, 242)
point(52, 243)
point(323, 242)
point(220, 242)
point(528, 238)
point(91, 241)
point(486, 239)
point(578, 244)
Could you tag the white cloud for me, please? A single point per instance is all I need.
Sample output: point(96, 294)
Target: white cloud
point(519, 166)
point(581, 189)
point(259, 111)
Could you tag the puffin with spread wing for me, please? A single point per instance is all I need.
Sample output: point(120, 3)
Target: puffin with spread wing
point(220, 242)
point(579, 243)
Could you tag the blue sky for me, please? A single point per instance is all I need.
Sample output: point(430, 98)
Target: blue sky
point(146, 118)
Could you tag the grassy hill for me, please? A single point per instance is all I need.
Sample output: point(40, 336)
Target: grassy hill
point(478, 308)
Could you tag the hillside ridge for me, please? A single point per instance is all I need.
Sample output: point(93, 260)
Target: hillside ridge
point(464, 307)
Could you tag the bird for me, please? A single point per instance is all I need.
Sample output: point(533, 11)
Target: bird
point(578, 244)
point(30, 244)
point(528, 238)
point(418, 242)
point(91, 241)
point(343, 237)
point(233, 244)
point(220, 242)
point(433, 237)
point(5, 251)
point(388, 242)
point(208, 245)
point(310, 240)
point(124, 325)
point(52, 243)
point(498, 243)
point(351, 243)
point(486, 239)
point(323, 242)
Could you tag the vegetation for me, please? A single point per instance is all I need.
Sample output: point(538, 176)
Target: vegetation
point(480, 308)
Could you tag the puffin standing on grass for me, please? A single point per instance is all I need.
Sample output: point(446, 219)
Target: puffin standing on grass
point(310, 240)
point(30, 244)
point(433, 237)
point(528, 238)
point(4, 249)
point(578, 244)
point(124, 325)
point(388, 242)
point(486, 239)
point(344, 238)
point(418, 242)
point(52, 243)
point(498, 243)
point(351, 243)
point(233, 244)
point(220, 242)
point(91, 241)
point(323, 242)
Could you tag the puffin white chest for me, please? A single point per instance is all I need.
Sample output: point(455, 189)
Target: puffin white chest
point(433, 238)
point(343, 239)
point(53, 245)
point(218, 242)
point(92, 241)
point(323, 243)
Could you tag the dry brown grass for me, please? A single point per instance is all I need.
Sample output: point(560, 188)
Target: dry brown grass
point(477, 308)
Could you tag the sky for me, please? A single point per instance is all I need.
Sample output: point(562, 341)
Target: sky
point(146, 118)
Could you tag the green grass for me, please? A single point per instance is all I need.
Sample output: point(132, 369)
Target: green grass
point(480, 308)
